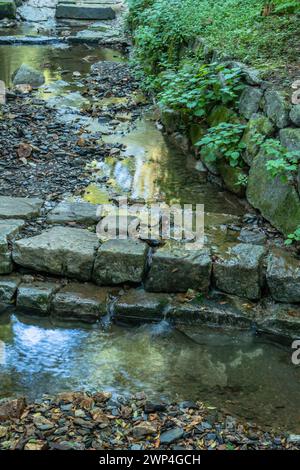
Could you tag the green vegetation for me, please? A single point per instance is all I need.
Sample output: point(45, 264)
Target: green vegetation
point(262, 33)
point(293, 237)
point(283, 163)
point(223, 141)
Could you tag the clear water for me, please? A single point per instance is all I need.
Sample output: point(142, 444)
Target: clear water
point(234, 371)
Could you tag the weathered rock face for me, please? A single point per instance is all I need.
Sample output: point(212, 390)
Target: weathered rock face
point(79, 212)
point(86, 11)
point(279, 203)
point(36, 298)
point(8, 228)
point(250, 101)
point(176, 269)
point(8, 288)
point(136, 304)
point(280, 319)
point(290, 138)
point(61, 250)
point(277, 108)
point(283, 276)
point(120, 261)
point(28, 75)
point(231, 178)
point(11, 409)
point(257, 125)
point(239, 270)
point(86, 303)
point(221, 113)
point(7, 9)
point(295, 115)
point(19, 207)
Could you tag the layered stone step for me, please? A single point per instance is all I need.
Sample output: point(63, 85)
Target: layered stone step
point(81, 10)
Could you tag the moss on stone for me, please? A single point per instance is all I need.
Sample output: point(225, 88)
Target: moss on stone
point(7, 9)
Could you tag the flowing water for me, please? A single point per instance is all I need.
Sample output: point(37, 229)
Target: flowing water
point(239, 372)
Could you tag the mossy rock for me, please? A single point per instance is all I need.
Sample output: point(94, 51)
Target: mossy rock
point(278, 202)
point(231, 177)
point(258, 124)
point(221, 113)
point(7, 9)
point(196, 132)
point(171, 119)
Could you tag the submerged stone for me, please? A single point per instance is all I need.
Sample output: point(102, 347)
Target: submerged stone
point(136, 305)
point(175, 268)
point(36, 298)
point(60, 250)
point(120, 261)
point(86, 303)
point(278, 202)
point(28, 75)
point(19, 207)
point(77, 212)
point(239, 270)
point(283, 276)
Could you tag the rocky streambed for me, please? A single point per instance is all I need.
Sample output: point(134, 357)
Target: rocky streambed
point(84, 138)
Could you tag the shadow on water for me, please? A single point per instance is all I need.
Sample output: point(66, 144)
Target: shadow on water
point(234, 371)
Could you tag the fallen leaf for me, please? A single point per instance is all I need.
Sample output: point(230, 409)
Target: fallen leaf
point(24, 151)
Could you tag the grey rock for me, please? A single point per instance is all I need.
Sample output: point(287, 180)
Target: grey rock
point(278, 202)
point(294, 439)
point(8, 288)
point(290, 138)
point(19, 207)
point(8, 228)
point(171, 435)
point(279, 319)
point(86, 303)
point(255, 237)
point(295, 115)
point(277, 108)
point(250, 101)
point(86, 11)
point(28, 75)
point(239, 270)
point(283, 276)
point(78, 212)
point(257, 125)
point(174, 268)
point(138, 305)
point(60, 250)
point(120, 261)
point(36, 298)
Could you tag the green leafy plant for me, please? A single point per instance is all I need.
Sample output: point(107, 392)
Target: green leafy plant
point(242, 181)
point(223, 141)
point(293, 237)
point(192, 89)
point(283, 163)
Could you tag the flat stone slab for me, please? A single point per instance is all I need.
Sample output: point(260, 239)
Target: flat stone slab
point(280, 320)
point(81, 302)
point(137, 305)
point(36, 298)
point(86, 11)
point(239, 270)
point(19, 207)
point(120, 261)
point(31, 40)
point(283, 276)
point(62, 251)
point(73, 212)
point(8, 228)
point(8, 288)
point(177, 269)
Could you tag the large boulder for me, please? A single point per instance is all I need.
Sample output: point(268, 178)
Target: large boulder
point(61, 250)
point(295, 115)
point(258, 127)
point(177, 269)
point(7, 9)
point(239, 270)
point(290, 138)
point(278, 202)
point(120, 261)
point(250, 101)
point(277, 108)
point(28, 75)
point(283, 276)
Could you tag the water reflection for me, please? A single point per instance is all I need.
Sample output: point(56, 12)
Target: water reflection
point(238, 372)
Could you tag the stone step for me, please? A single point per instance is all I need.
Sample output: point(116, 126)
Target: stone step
point(19, 207)
point(86, 10)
